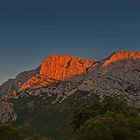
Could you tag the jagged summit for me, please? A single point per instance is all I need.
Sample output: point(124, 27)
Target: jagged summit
point(56, 68)
point(63, 66)
point(126, 55)
point(121, 55)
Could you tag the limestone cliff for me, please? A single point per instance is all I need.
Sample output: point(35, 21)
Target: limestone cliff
point(57, 68)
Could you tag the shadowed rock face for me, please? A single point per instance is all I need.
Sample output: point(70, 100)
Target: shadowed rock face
point(7, 112)
point(57, 68)
point(12, 85)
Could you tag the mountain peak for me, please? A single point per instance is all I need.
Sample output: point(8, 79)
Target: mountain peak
point(120, 56)
point(57, 68)
point(126, 54)
point(63, 66)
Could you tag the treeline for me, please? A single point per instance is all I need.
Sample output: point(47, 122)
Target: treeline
point(7, 132)
point(111, 119)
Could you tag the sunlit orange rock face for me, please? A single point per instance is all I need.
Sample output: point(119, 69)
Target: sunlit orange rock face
point(119, 56)
point(57, 68)
point(61, 67)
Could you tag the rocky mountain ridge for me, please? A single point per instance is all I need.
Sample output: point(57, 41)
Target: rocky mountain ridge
point(63, 74)
point(52, 70)
point(57, 68)
point(62, 83)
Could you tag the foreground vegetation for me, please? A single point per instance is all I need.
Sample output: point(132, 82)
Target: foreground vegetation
point(7, 132)
point(111, 119)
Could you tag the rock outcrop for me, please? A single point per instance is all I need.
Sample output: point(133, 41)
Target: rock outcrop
point(121, 56)
point(120, 73)
point(57, 68)
point(7, 112)
point(12, 86)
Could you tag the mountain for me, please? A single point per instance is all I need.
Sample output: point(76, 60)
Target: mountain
point(57, 68)
point(52, 70)
point(40, 99)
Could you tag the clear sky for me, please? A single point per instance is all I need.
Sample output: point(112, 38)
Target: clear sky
point(33, 29)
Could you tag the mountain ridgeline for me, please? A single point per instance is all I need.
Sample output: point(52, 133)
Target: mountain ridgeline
point(40, 99)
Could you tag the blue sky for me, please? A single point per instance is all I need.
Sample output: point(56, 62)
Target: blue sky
point(30, 30)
